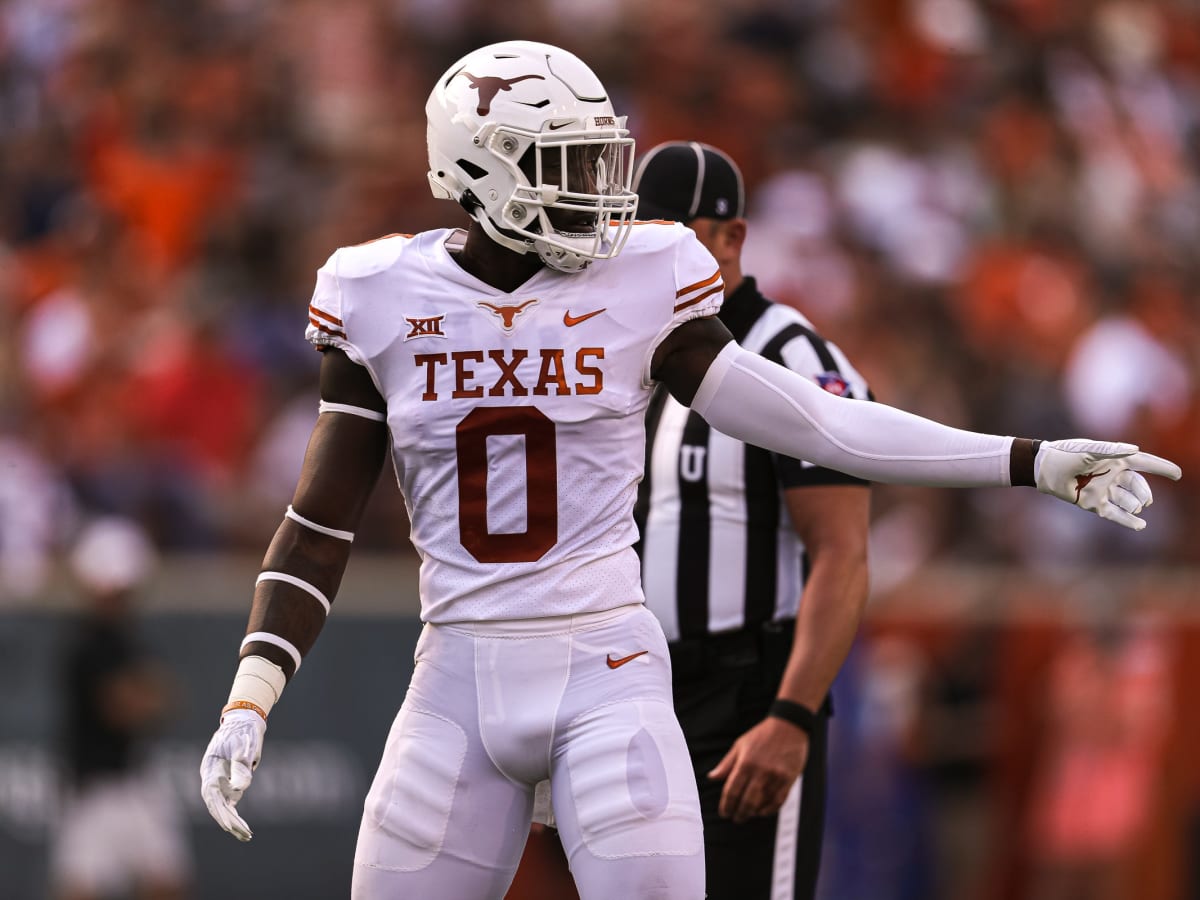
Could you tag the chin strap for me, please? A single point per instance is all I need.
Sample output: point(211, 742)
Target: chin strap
point(561, 260)
point(555, 257)
point(501, 236)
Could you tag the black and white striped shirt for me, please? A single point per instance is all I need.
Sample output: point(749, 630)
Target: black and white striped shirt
point(718, 550)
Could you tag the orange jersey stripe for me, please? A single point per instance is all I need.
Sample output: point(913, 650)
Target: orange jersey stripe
point(331, 331)
point(686, 303)
point(383, 238)
point(320, 314)
point(699, 284)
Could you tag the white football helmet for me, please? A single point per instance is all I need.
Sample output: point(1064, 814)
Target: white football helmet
point(524, 137)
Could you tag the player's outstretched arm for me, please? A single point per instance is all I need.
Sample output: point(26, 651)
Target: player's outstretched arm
point(765, 404)
point(300, 576)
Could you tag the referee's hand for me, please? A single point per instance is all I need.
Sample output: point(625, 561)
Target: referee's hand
point(760, 768)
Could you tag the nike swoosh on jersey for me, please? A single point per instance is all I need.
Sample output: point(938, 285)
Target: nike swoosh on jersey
point(571, 321)
point(617, 663)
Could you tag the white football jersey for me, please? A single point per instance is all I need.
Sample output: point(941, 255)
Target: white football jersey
point(516, 418)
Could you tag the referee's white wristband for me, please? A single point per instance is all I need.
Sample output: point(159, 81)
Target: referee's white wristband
point(258, 681)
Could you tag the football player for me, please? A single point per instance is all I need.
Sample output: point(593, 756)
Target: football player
point(507, 369)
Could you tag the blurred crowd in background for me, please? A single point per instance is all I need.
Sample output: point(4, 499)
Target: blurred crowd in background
point(992, 205)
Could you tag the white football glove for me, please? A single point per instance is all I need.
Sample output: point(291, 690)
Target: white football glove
point(228, 766)
point(1101, 477)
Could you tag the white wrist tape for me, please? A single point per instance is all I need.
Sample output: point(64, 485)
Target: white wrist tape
point(320, 529)
point(259, 681)
point(361, 411)
point(761, 403)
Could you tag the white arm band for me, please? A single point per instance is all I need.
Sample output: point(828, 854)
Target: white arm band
point(761, 403)
point(259, 681)
point(361, 411)
point(275, 640)
point(297, 582)
point(319, 529)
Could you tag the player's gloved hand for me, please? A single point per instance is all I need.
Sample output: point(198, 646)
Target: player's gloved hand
point(228, 766)
point(1101, 477)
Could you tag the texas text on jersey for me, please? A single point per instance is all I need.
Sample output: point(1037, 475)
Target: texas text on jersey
point(516, 419)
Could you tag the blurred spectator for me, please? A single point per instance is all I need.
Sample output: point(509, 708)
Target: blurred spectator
point(980, 199)
point(960, 737)
point(35, 510)
point(878, 844)
point(1137, 357)
point(120, 832)
point(1109, 709)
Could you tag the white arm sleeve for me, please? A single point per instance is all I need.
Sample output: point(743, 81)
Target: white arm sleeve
point(761, 403)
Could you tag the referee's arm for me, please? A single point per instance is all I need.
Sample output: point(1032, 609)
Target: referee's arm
point(832, 522)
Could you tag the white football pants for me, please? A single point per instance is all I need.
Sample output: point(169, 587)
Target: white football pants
point(492, 709)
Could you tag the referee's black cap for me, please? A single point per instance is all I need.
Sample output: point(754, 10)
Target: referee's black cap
point(685, 180)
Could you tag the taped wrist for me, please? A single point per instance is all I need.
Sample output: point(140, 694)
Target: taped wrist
point(256, 686)
point(769, 406)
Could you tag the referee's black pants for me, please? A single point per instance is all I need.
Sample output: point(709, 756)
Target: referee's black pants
point(723, 686)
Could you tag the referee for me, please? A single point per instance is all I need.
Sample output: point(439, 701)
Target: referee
point(755, 564)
